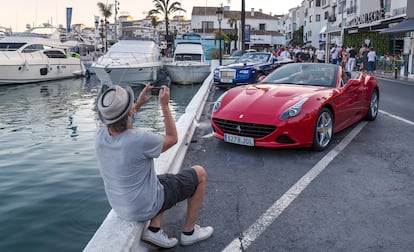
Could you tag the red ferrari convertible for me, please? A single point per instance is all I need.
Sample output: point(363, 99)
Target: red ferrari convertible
point(297, 105)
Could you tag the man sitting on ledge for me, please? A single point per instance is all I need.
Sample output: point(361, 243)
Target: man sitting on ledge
point(126, 162)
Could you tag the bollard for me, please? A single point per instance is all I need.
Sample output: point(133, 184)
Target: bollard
point(395, 72)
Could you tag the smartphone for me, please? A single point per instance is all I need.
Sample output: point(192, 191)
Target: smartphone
point(155, 91)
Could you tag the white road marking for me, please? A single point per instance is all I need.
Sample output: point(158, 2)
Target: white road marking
point(255, 230)
point(208, 135)
point(397, 117)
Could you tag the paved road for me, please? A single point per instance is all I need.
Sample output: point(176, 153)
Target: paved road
point(356, 196)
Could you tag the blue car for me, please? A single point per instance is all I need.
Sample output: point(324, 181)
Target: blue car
point(246, 69)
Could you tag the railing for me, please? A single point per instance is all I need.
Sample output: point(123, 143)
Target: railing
point(388, 65)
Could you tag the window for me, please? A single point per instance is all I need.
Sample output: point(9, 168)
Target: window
point(310, 3)
point(326, 15)
point(262, 27)
point(32, 48)
point(318, 3)
point(318, 18)
point(10, 46)
point(310, 18)
point(207, 25)
point(387, 5)
point(55, 54)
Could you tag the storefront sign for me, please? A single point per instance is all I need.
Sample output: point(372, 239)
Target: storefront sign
point(369, 17)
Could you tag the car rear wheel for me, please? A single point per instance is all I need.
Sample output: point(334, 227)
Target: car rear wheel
point(323, 133)
point(259, 77)
point(373, 106)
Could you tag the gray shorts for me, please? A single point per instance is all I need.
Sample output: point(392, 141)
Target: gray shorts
point(178, 187)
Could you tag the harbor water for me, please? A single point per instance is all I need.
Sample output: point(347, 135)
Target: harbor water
point(51, 193)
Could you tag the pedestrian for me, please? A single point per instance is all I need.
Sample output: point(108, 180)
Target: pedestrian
point(285, 53)
point(335, 55)
point(351, 60)
point(320, 55)
point(363, 52)
point(126, 162)
point(343, 56)
point(371, 60)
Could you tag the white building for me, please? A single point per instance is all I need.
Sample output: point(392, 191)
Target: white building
point(263, 30)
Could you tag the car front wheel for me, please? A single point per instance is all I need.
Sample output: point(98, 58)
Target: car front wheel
point(323, 132)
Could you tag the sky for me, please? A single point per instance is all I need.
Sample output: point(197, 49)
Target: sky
point(15, 14)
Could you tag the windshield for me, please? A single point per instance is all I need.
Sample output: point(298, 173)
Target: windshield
point(10, 46)
point(313, 74)
point(254, 57)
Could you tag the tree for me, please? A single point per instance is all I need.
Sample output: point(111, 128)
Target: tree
point(154, 23)
point(106, 11)
point(233, 37)
point(165, 8)
point(297, 38)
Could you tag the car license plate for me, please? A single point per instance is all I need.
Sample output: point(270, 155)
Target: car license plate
point(249, 141)
point(226, 80)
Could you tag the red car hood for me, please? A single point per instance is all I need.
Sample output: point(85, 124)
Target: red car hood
point(263, 102)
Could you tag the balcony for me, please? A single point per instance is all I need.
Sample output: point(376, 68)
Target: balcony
point(331, 19)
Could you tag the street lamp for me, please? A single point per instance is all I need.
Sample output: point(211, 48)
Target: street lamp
point(102, 34)
point(106, 34)
point(219, 13)
point(96, 29)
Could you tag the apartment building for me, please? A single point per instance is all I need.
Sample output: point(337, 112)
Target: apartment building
point(263, 30)
point(354, 22)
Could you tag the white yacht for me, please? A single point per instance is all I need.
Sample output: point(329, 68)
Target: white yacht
point(36, 55)
point(129, 62)
point(189, 65)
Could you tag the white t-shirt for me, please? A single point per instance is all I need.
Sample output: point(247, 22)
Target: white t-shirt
point(285, 54)
point(371, 56)
point(335, 52)
point(126, 164)
point(320, 54)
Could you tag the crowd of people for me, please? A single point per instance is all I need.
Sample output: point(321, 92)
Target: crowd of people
point(350, 57)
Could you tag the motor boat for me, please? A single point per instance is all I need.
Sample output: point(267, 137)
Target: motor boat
point(131, 61)
point(189, 65)
point(36, 55)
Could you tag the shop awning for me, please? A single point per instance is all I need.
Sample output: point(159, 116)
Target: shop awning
point(407, 25)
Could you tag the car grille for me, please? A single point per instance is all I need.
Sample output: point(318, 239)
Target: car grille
point(244, 129)
point(228, 74)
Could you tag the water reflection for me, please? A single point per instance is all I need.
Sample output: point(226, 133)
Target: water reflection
point(51, 194)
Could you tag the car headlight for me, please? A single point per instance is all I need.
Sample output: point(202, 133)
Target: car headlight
point(294, 110)
point(245, 71)
point(217, 104)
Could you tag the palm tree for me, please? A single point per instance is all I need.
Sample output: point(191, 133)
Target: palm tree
point(233, 22)
point(154, 23)
point(165, 8)
point(106, 11)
